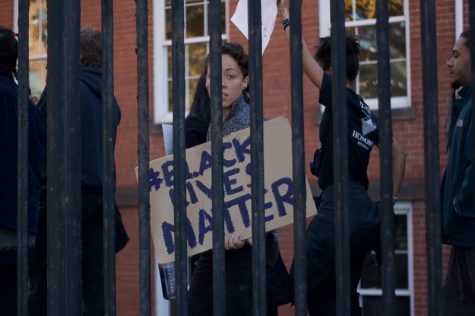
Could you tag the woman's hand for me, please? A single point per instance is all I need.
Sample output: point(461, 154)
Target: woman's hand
point(283, 6)
point(233, 242)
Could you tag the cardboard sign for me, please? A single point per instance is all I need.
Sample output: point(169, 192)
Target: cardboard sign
point(237, 190)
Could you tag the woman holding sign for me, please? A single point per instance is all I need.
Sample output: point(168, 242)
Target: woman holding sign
point(363, 212)
point(238, 258)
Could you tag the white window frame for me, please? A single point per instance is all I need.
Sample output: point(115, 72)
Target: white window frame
point(458, 18)
point(15, 29)
point(325, 25)
point(160, 66)
point(400, 208)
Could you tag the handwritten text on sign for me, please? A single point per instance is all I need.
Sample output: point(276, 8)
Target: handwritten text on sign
point(237, 190)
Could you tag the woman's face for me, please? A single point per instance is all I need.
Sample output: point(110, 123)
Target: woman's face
point(233, 82)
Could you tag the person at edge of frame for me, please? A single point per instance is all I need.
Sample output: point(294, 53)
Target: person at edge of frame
point(238, 256)
point(9, 167)
point(458, 187)
point(364, 215)
point(91, 189)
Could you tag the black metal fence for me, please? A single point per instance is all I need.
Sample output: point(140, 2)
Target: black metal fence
point(63, 162)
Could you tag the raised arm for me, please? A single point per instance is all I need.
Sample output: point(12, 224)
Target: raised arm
point(310, 66)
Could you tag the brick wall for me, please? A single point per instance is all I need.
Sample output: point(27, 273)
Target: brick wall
point(408, 128)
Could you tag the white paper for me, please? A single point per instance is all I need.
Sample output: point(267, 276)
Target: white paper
point(167, 130)
point(268, 16)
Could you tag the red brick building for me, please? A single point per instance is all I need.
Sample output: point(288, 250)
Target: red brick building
point(407, 104)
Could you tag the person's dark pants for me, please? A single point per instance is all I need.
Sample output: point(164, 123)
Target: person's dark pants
point(238, 282)
point(320, 239)
point(92, 263)
point(8, 283)
point(459, 287)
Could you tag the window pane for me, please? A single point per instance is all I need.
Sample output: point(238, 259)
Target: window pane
point(169, 64)
point(371, 273)
point(368, 81)
point(367, 39)
point(401, 232)
point(400, 267)
point(349, 10)
point(194, 21)
point(196, 57)
point(34, 32)
point(170, 96)
point(168, 23)
point(396, 7)
point(37, 77)
point(397, 40)
point(372, 306)
point(365, 9)
point(398, 79)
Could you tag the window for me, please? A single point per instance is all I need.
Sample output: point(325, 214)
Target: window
point(370, 286)
point(196, 49)
point(360, 19)
point(37, 41)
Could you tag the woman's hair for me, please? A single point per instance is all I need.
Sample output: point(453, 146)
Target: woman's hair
point(466, 35)
point(8, 50)
point(200, 108)
point(236, 51)
point(323, 55)
point(90, 48)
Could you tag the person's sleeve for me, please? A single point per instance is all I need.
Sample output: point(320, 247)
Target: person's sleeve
point(464, 198)
point(326, 91)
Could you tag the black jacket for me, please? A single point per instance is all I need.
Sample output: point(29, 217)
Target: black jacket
point(458, 186)
point(91, 126)
point(8, 156)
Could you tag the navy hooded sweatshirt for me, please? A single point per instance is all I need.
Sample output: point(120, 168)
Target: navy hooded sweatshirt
point(91, 127)
point(8, 156)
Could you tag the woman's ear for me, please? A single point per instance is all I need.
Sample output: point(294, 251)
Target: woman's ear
point(244, 83)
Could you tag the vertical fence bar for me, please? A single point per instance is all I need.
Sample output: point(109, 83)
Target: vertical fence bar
point(143, 156)
point(55, 163)
point(386, 163)
point(219, 289)
point(259, 297)
point(340, 156)
point(431, 155)
point(22, 167)
point(108, 177)
point(72, 160)
point(63, 160)
point(298, 158)
point(472, 58)
point(178, 73)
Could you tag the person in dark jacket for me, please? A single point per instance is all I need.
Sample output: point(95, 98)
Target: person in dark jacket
point(364, 217)
point(91, 186)
point(458, 188)
point(8, 170)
